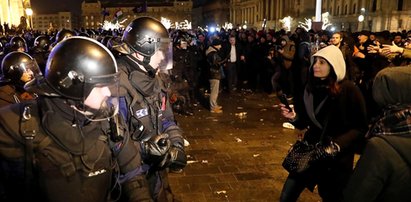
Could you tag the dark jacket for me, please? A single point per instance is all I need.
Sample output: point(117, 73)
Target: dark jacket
point(182, 65)
point(353, 73)
point(146, 96)
point(10, 95)
point(239, 51)
point(346, 125)
point(70, 154)
point(383, 172)
point(215, 63)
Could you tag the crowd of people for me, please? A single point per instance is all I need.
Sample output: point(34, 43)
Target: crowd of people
point(64, 121)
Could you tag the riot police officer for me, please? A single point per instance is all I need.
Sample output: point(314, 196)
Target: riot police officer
point(182, 77)
point(146, 48)
point(62, 146)
point(18, 43)
point(40, 50)
point(61, 35)
point(17, 69)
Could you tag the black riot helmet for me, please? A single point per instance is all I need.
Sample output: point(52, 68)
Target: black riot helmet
point(18, 67)
point(105, 40)
point(63, 34)
point(17, 43)
point(91, 33)
point(3, 43)
point(4, 40)
point(42, 42)
point(76, 67)
point(83, 34)
point(148, 36)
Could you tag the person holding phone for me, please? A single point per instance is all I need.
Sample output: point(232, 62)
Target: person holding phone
point(335, 108)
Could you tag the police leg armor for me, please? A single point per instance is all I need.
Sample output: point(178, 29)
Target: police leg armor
point(137, 189)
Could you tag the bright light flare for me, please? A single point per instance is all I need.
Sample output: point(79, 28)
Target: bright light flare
point(286, 21)
point(166, 22)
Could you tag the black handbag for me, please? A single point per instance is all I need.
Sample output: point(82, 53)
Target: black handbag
point(302, 155)
point(299, 157)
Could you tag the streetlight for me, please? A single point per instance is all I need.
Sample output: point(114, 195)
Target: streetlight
point(29, 12)
point(245, 24)
point(361, 19)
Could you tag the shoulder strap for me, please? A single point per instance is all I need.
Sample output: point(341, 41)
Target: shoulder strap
point(28, 129)
point(291, 46)
point(309, 106)
point(325, 126)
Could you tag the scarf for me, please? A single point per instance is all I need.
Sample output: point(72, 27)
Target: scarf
point(395, 120)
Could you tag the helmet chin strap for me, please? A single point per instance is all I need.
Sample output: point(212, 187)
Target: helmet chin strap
point(150, 70)
point(146, 60)
point(145, 63)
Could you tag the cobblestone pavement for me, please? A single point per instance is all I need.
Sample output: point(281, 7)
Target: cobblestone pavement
point(237, 155)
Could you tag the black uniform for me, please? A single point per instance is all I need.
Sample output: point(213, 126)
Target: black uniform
point(150, 115)
point(71, 160)
point(70, 144)
point(144, 102)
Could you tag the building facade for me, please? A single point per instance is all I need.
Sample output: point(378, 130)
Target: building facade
point(377, 15)
point(46, 23)
point(215, 12)
point(11, 12)
point(254, 13)
point(95, 12)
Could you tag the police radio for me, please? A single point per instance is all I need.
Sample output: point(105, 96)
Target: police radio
point(116, 133)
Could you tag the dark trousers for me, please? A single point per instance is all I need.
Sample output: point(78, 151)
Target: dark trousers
point(230, 71)
point(291, 190)
point(330, 186)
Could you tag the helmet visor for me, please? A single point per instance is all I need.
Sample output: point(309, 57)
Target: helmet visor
point(102, 101)
point(29, 70)
point(163, 57)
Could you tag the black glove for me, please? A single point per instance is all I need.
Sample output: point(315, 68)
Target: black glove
point(177, 158)
point(155, 150)
point(327, 151)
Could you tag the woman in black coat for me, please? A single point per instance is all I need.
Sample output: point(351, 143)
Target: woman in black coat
point(335, 109)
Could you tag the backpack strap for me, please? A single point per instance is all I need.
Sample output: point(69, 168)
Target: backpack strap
point(28, 129)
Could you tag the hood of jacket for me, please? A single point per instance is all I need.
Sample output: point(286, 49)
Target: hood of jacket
point(391, 86)
point(335, 57)
point(210, 49)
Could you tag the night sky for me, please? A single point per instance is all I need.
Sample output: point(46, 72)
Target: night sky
point(53, 6)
